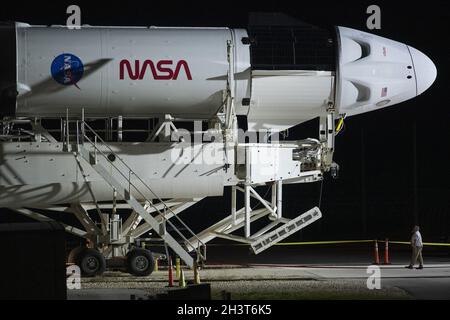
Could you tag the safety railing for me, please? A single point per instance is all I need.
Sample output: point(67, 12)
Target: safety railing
point(82, 129)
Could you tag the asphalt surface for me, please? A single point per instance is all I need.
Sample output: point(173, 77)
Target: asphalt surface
point(349, 261)
point(316, 255)
point(339, 271)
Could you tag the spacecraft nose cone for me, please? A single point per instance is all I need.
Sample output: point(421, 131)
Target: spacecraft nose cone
point(424, 69)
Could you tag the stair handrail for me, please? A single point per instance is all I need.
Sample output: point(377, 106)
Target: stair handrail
point(128, 179)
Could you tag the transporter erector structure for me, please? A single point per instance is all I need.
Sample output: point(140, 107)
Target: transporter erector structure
point(277, 73)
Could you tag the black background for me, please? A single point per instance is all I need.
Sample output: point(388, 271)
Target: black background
point(394, 162)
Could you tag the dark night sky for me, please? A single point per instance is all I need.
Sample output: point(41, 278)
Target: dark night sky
point(376, 192)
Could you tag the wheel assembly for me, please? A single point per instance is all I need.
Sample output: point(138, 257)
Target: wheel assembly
point(91, 262)
point(140, 262)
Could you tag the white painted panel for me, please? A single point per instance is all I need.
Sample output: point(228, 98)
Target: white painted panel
point(386, 72)
point(281, 99)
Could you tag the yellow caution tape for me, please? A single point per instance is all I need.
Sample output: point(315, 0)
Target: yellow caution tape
point(321, 242)
point(441, 244)
point(299, 243)
point(337, 242)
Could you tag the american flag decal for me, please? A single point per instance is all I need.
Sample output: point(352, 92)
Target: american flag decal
point(384, 92)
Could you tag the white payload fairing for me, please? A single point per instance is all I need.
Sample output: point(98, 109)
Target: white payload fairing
point(282, 76)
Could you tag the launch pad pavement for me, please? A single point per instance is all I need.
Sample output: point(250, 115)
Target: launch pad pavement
point(282, 282)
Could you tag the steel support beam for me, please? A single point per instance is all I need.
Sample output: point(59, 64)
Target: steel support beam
point(40, 217)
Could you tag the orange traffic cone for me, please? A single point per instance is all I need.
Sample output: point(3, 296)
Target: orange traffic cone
point(386, 252)
point(377, 256)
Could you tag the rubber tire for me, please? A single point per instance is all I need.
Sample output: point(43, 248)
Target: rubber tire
point(87, 256)
point(132, 259)
point(74, 254)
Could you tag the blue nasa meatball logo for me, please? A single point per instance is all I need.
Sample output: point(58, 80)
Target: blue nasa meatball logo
point(67, 69)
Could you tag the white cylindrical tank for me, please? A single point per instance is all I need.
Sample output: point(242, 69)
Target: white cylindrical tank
point(124, 70)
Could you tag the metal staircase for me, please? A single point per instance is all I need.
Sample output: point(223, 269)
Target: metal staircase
point(127, 185)
point(263, 239)
point(292, 226)
point(119, 177)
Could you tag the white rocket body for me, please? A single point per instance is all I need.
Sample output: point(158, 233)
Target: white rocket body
point(143, 72)
point(279, 72)
point(112, 57)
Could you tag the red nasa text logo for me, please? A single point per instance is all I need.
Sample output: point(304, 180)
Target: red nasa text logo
point(162, 70)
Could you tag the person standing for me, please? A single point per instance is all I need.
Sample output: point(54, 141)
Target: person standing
point(416, 245)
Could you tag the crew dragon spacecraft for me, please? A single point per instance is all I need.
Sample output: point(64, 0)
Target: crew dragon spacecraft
point(277, 73)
